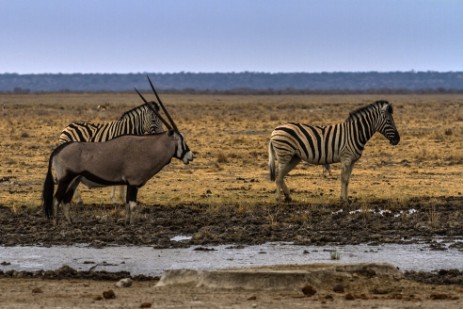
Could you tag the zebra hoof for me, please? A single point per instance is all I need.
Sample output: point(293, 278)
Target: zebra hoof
point(345, 203)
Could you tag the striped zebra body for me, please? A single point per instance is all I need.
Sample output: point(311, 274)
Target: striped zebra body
point(138, 121)
point(321, 145)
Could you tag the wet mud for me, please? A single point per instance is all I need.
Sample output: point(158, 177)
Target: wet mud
point(379, 222)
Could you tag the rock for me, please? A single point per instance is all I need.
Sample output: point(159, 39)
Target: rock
point(37, 291)
point(205, 249)
point(338, 288)
point(349, 296)
point(308, 290)
point(109, 294)
point(124, 283)
point(145, 305)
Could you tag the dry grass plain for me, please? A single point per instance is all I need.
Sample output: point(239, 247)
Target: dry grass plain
point(229, 136)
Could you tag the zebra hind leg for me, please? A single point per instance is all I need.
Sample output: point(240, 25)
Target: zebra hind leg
point(78, 198)
point(326, 170)
point(345, 177)
point(283, 170)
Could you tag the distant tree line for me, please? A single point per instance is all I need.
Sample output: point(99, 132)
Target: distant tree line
point(244, 82)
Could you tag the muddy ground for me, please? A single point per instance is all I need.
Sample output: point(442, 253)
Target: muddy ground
point(380, 222)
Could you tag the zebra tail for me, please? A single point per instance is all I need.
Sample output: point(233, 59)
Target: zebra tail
point(271, 161)
point(48, 188)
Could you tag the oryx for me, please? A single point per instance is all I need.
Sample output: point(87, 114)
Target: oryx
point(129, 160)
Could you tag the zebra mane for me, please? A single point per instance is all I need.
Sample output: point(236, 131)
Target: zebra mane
point(136, 109)
point(366, 109)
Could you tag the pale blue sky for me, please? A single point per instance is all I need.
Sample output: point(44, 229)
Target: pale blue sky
point(117, 36)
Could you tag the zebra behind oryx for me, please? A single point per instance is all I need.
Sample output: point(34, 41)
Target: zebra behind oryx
point(343, 142)
point(140, 120)
point(137, 121)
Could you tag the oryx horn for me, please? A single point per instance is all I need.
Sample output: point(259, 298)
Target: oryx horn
point(163, 107)
point(150, 105)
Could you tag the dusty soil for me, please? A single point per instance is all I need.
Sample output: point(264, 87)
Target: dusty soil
point(361, 287)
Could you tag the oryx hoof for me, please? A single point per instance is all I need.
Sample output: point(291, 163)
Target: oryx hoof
point(288, 199)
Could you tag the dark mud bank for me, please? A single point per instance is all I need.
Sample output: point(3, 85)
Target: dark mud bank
point(379, 222)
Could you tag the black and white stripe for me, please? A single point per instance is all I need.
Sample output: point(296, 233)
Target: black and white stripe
point(138, 121)
point(343, 142)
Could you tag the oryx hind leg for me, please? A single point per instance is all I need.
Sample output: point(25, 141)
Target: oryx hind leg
point(68, 198)
point(131, 204)
point(60, 195)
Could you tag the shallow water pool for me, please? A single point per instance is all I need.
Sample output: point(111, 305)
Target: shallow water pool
point(152, 262)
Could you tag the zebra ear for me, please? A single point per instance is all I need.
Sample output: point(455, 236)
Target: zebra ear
point(387, 107)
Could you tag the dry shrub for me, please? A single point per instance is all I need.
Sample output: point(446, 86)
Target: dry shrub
point(222, 158)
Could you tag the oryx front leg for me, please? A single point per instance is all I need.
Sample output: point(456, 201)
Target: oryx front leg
point(131, 204)
point(345, 177)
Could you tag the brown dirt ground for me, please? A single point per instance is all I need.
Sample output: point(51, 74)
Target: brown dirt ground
point(73, 293)
point(225, 195)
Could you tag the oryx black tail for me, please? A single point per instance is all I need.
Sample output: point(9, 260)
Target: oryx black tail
point(48, 188)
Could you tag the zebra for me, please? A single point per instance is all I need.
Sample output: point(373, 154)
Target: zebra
point(343, 142)
point(140, 120)
point(137, 121)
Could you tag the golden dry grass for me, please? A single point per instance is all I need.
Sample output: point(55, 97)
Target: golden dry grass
point(229, 135)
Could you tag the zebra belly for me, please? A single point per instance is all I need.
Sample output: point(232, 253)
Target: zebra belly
point(322, 161)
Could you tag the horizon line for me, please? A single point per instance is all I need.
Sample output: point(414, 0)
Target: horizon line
point(230, 72)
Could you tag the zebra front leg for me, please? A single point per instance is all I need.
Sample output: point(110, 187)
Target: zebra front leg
point(78, 197)
point(121, 194)
point(131, 204)
point(345, 177)
point(113, 196)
